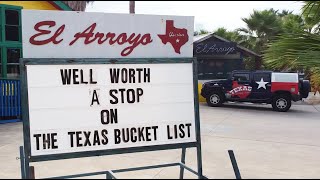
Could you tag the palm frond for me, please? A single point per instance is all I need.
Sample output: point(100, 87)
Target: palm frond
point(297, 49)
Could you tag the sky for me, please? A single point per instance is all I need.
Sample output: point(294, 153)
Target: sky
point(209, 15)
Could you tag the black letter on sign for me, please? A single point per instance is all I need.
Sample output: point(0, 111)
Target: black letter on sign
point(122, 96)
point(91, 79)
point(168, 131)
point(95, 97)
point(78, 139)
point(131, 76)
point(115, 101)
point(75, 76)
point(87, 136)
point(132, 100)
point(124, 75)
point(114, 75)
point(37, 136)
point(65, 76)
point(140, 132)
point(96, 139)
point(46, 141)
point(148, 134)
point(188, 125)
point(54, 140)
point(117, 138)
point(71, 137)
point(139, 93)
point(81, 78)
point(181, 128)
point(133, 137)
point(109, 117)
point(155, 132)
point(146, 74)
point(104, 133)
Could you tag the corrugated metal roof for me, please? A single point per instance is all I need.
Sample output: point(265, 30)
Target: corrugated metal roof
point(198, 37)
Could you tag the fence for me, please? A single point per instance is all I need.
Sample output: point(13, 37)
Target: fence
point(10, 100)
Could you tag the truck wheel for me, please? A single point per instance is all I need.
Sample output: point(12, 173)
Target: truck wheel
point(215, 99)
point(305, 88)
point(281, 103)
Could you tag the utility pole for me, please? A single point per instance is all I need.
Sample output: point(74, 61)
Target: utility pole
point(132, 7)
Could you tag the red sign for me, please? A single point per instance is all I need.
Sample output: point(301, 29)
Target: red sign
point(68, 34)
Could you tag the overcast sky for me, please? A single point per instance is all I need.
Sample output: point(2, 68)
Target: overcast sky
point(208, 15)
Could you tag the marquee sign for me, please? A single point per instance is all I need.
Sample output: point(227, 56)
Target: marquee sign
point(67, 34)
point(100, 84)
point(93, 107)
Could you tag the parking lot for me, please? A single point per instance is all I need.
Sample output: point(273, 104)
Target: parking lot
point(267, 144)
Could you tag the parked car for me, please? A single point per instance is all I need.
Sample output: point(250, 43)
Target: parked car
point(275, 88)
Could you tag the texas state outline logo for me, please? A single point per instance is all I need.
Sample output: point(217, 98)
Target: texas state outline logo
point(177, 37)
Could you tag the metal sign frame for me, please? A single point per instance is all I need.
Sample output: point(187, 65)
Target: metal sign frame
point(25, 152)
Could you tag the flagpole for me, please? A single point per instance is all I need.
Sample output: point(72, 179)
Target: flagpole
point(132, 7)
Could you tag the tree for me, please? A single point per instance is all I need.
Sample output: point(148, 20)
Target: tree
point(292, 23)
point(223, 32)
point(311, 14)
point(284, 13)
point(234, 36)
point(293, 50)
point(77, 5)
point(262, 27)
point(201, 32)
point(299, 50)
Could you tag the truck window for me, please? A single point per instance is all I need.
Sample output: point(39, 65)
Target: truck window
point(241, 77)
point(266, 77)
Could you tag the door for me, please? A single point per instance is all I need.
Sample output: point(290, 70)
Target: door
point(241, 88)
point(261, 86)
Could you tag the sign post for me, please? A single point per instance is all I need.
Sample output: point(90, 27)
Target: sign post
point(82, 107)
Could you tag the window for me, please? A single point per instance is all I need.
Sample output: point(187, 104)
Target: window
point(265, 76)
point(285, 77)
point(211, 69)
point(12, 25)
point(13, 56)
point(10, 40)
point(241, 77)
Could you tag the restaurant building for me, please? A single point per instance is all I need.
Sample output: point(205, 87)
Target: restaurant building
point(11, 51)
point(218, 57)
point(10, 32)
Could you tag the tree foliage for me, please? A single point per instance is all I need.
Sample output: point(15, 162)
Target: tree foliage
point(200, 32)
point(311, 15)
point(298, 48)
point(77, 5)
point(286, 41)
